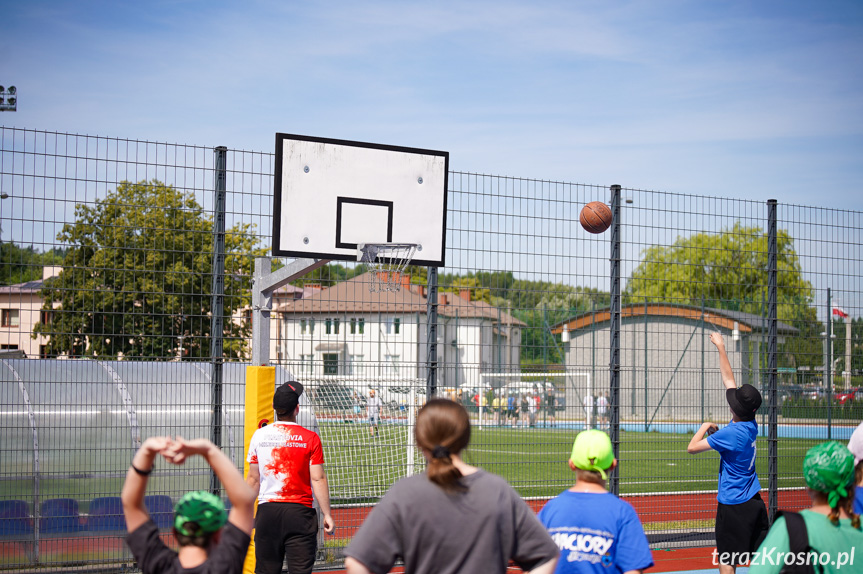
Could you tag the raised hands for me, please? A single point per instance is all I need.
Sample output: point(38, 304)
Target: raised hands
point(180, 449)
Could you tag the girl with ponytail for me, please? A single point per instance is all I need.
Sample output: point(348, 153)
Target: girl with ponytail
point(454, 517)
point(832, 527)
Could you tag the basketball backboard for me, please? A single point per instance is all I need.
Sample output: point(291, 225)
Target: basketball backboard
point(331, 195)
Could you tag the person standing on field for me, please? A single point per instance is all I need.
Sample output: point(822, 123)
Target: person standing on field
point(602, 408)
point(741, 517)
point(373, 409)
point(286, 465)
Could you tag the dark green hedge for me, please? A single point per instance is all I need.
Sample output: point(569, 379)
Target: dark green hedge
point(817, 409)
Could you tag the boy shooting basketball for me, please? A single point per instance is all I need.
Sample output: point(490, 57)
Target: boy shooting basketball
point(741, 517)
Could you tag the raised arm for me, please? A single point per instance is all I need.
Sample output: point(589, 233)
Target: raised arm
point(132, 494)
point(321, 488)
point(239, 493)
point(699, 443)
point(724, 363)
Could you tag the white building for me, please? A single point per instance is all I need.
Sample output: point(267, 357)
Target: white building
point(345, 330)
point(20, 310)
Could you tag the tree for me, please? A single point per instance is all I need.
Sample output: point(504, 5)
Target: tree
point(728, 270)
point(137, 278)
point(22, 264)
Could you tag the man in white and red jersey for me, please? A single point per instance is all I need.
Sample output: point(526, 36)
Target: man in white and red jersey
point(286, 464)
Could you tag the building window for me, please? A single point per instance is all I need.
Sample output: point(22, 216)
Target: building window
point(9, 347)
point(394, 326)
point(307, 326)
point(307, 364)
point(331, 326)
point(391, 365)
point(358, 326)
point(331, 363)
point(10, 318)
point(46, 317)
point(43, 351)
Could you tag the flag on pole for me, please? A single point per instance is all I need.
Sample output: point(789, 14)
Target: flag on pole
point(840, 312)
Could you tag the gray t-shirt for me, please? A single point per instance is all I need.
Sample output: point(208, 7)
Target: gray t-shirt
point(434, 532)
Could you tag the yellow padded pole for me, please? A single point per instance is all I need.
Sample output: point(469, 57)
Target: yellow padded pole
point(260, 387)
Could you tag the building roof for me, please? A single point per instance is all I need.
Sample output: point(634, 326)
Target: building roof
point(353, 296)
point(746, 322)
point(28, 287)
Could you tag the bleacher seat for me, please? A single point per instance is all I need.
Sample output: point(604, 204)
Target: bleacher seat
point(106, 514)
point(59, 515)
point(161, 509)
point(14, 518)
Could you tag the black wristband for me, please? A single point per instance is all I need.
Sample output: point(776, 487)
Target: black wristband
point(142, 472)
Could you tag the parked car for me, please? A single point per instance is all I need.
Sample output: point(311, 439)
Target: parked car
point(849, 396)
point(815, 393)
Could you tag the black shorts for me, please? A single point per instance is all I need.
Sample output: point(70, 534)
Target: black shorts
point(740, 529)
point(285, 528)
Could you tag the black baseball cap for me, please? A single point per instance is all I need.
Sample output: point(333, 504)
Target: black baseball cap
point(287, 397)
point(744, 401)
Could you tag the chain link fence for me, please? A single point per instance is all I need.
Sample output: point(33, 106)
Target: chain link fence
point(111, 272)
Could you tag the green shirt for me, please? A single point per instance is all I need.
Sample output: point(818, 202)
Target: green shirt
point(841, 547)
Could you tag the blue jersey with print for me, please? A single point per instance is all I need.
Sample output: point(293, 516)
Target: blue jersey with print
point(736, 446)
point(858, 500)
point(596, 533)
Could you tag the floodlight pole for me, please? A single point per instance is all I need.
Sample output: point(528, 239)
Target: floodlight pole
point(264, 282)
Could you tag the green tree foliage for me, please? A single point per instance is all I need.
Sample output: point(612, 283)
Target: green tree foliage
point(22, 264)
point(137, 278)
point(728, 270)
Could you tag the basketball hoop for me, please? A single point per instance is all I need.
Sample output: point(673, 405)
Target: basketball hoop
point(387, 262)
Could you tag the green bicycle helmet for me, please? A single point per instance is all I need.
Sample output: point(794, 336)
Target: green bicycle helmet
point(199, 513)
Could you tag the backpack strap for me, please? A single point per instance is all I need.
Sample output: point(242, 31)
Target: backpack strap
point(798, 536)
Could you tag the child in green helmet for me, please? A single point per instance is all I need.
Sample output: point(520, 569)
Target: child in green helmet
point(211, 539)
point(832, 527)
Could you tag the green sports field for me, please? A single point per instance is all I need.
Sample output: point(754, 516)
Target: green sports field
point(534, 461)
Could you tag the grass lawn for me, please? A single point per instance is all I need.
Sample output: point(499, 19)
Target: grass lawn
point(534, 461)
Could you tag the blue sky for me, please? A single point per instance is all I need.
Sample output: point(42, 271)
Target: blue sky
point(736, 99)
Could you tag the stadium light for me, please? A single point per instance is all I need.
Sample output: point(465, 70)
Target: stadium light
point(8, 99)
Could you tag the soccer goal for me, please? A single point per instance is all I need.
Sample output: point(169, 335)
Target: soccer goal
point(362, 465)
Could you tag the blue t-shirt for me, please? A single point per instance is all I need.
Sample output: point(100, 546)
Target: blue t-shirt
point(736, 447)
point(858, 500)
point(597, 533)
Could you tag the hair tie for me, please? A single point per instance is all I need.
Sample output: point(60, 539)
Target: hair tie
point(440, 452)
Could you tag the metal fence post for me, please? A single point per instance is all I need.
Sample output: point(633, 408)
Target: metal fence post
point(431, 330)
point(614, 360)
point(828, 363)
point(772, 356)
point(217, 306)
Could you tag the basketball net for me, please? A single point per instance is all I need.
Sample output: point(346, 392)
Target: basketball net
point(387, 261)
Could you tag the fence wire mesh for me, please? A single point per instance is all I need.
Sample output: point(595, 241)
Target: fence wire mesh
point(106, 331)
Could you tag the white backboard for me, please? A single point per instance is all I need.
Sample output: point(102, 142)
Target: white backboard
point(331, 195)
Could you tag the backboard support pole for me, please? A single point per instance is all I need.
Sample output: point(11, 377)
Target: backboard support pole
point(264, 282)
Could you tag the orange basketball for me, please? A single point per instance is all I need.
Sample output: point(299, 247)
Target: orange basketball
point(595, 217)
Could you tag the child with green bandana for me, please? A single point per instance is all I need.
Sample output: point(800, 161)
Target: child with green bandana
point(211, 539)
point(833, 528)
